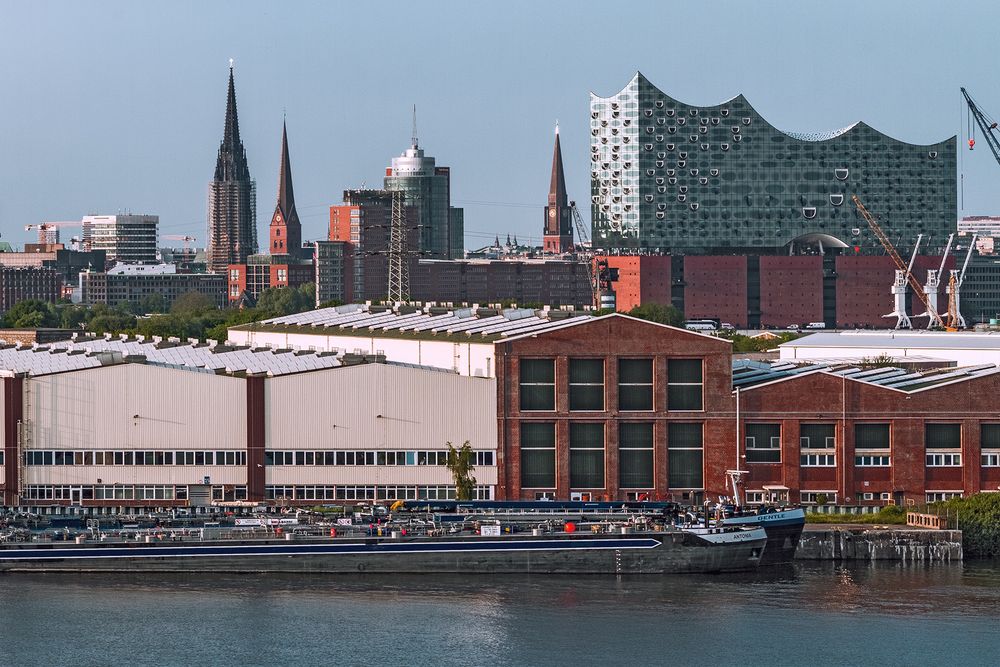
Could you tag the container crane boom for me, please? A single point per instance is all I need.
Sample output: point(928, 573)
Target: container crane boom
point(915, 285)
point(986, 124)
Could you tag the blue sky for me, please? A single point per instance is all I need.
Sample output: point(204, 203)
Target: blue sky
point(120, 105)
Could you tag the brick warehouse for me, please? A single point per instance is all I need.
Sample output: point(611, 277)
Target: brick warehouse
point(555, 403)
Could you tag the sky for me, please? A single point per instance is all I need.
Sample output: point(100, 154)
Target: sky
point(119, 106)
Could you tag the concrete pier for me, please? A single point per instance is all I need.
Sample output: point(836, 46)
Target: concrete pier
point(867, 543)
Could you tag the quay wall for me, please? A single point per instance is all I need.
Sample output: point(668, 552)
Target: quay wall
point(871, 544)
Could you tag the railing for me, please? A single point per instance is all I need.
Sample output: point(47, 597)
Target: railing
point(932, 521)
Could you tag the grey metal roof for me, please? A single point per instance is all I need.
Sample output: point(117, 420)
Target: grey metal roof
point(457, 323)
point(748, 374)
point(93, 352)
point(924, 340)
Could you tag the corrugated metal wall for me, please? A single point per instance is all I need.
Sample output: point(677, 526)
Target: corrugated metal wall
point(378, 406)
point(135, 406)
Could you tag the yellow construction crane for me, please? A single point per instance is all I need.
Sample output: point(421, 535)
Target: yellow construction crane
point(915, 286)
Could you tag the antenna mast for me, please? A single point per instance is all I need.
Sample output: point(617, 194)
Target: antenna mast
point(413, 139)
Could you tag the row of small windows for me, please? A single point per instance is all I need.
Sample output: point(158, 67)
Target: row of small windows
point(287, 493)
point(586, 384)
point(370, 458)
point(685, 445)
point(45, 457)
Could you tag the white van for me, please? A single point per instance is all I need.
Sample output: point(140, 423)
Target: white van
point(816, 325)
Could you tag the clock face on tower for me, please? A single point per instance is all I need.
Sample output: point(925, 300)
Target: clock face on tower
point(552, 213)
point(277, 217)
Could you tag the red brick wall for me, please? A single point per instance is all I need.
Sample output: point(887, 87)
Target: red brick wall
point(716, 287)
point(791, 290)
point(863, 289)
point(641, 279)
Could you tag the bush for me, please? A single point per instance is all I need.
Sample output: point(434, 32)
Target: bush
point(978, 517)
point(889, 515)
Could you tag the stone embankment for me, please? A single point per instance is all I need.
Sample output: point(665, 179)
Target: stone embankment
point(884, 543)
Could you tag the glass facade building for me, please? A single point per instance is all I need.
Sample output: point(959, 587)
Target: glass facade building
point(428, 192)
point(672, 177)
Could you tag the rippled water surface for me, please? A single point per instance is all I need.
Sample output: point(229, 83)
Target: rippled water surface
point(813, 614)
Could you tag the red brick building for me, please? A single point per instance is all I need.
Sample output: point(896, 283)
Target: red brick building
point(622, 408)
point(641, 279)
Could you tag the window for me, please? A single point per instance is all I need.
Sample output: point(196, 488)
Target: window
point(538, 455)
point(684, 384)
point(586, 455)
point(939, 496)
point(871, 436)
point(990, 436)
point(871, 461)
point(586, 384)
point(538, 384)
point(763, 443)
point(818, 460)
point(817, 436)
point(943, 460)
point(814, 497)
point(635, 384)
point(943, 436)
point(635, 455)
point(990, 459)
point(685, 456)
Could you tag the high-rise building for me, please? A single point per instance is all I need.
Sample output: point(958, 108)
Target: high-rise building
point(332, 261)
point(558, 230)
point(428, 192)
point(128, 239)
point(673, 177)
point(286, 230)
point(232, 197)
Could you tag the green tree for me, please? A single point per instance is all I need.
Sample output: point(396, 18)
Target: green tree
point(460, 464)
point(278, 301)
point(658, 312)
point(881, 360)
point(71, 317)
point(31, 313)
point(152, 303)
point(191, 304)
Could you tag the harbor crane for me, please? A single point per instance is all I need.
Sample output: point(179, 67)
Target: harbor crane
point(955, 318)
point(933, 284)
point(592, 271)
point(904, 276)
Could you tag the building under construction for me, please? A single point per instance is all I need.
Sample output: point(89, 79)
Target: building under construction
point(232, 197)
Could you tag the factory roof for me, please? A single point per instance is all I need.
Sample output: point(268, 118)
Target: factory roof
point(927, 340)
point(750, 373)
point(83, 352)
point(474, 324)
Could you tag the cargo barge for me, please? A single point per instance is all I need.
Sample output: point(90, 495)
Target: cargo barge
point(674, 551)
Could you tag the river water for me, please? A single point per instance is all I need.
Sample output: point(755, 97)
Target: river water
point(809, 614)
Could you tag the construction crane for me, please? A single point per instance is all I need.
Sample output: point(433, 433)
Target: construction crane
point(48, 232)
point(955, 319)
point(934, 282)
point(180, 237)
point(592, 271)
point(986, 124)
point(910, 279)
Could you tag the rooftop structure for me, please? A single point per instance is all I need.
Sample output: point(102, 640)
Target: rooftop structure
point(558, 228)
point(667, 176)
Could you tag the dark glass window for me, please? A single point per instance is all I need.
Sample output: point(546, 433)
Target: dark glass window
point(816, 436)
point(943, 436)
point(635, 455)
point(586, 455)
point(871, 436)
point(763, 443)
point(685, 456)
point(538, 384)
point(538, 455)
point(635, 384)
point(990, 436)
point(586, 384)
point(684, 384)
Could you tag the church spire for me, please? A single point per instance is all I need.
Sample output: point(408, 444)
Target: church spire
point(232, 162)
point(286, 230)
point(557, 185)
point(558, 228)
